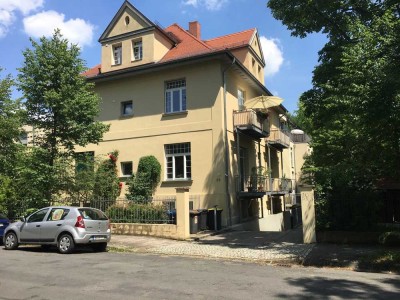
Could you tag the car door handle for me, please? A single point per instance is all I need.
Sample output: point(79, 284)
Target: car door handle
point(37, 225)
point(59, 224)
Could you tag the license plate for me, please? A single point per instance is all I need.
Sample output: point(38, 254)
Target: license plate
point(96, 238)
point(1, 225)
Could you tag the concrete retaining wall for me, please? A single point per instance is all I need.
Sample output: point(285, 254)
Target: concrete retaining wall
point(156, 230)
point(275, 222)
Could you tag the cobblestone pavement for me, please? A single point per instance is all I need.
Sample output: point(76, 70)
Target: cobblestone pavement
point(238, 245)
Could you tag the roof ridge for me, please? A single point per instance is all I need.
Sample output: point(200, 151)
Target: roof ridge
point(191, 35)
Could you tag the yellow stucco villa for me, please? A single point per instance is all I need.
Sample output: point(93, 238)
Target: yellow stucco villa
point(202, 109)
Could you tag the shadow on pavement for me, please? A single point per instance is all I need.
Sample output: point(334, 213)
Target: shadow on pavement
point(324, 288)
point(354, 257)
point(252, 239)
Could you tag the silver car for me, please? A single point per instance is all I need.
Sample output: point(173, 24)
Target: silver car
point(64, 226)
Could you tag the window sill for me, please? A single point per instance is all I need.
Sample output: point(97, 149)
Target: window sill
point(116, 65)
point(136, 60)
point(177, 181)
point(122, 117)
point(185, 112)
point(125, 178)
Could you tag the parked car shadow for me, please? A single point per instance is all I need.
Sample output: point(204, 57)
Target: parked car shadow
point(53, 249)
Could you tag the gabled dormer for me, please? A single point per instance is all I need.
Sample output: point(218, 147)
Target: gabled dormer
point(132, 40)
point(252, 56)
point(246, 47)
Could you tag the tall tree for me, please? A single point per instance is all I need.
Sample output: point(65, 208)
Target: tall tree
point(10, 126)
point(61, 105)
point(353, 108)
point(11, 116)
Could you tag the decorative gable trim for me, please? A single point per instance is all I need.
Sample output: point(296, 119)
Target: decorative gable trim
point(124, 6)
point(128, 34)
point(256, 36)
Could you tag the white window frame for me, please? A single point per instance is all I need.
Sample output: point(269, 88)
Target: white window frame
point(172, 152)
point(122, 168)
point(175, 88)
point(241, 96)
point(117, 54)
point(137, 50)
point(123, 114)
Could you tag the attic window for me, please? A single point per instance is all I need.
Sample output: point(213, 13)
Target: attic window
point(127, 20)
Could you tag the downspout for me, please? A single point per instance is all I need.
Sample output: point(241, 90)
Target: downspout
point(227, 160)
point(270, 179)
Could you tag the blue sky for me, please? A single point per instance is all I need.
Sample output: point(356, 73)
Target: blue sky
point(290, 60)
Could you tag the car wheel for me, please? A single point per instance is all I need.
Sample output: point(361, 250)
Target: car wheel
point(11, 241)
point(65, 244)
point(99, 247)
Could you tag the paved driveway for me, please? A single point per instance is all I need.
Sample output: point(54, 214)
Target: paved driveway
point(261, 247)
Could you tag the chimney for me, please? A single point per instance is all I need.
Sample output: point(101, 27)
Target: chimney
point(194, 29)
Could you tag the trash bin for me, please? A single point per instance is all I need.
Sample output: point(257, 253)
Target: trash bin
point(172, 216)
point(202, 219)
point(194, 221)
point(212, 214)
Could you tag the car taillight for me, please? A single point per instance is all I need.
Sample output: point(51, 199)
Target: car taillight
point(79, 222)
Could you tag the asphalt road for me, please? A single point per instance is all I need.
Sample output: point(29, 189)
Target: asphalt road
point(31, 273)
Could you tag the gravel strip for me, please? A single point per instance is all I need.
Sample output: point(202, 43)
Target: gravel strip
point(274, 252)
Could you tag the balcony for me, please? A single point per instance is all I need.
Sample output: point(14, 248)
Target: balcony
point(279, 139)
point(251, 123)
point(257, 186)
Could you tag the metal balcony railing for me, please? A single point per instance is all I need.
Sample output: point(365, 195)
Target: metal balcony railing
point(279, 138)
point(251, 122)
point(263, 184)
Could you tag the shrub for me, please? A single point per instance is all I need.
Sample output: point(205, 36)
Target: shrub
point(144, 183)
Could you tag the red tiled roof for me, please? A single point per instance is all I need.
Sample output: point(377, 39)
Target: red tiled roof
point(188, 45)
point(92, 71)
point(231, 40)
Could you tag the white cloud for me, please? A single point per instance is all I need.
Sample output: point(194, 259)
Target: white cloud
point(77, 31)
point(208, 4)
point(8, 8)
point(273, 55)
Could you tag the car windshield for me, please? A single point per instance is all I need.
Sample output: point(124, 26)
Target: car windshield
point(92, 214)
point(2, 216)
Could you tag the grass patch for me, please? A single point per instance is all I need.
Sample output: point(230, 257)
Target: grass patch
point(387, 260)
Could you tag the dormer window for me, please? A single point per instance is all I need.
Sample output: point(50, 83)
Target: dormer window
point(137, 50)
point(117, 54)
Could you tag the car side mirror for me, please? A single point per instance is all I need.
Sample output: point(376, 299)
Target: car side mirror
point(23, 219)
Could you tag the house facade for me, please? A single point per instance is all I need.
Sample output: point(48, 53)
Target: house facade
point(168, 93)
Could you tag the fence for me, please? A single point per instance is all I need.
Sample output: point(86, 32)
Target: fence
point(159, 210)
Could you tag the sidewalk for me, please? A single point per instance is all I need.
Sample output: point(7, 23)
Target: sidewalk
point(262, 247)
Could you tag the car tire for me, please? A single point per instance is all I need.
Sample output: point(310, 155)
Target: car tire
point(65, 244)
point(11, 241)
point(99, 247)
